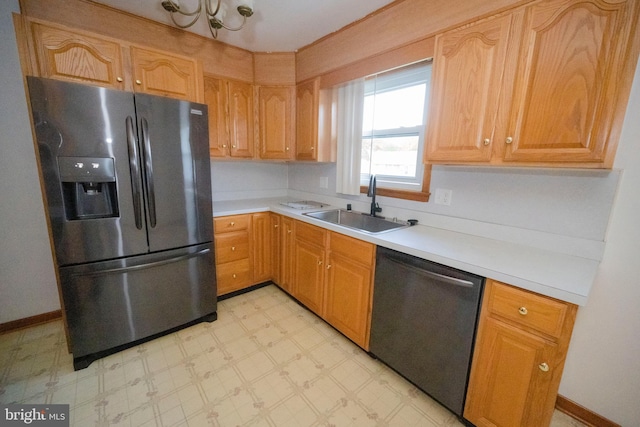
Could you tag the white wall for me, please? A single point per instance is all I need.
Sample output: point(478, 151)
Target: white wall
point(231, 180)
point(602, 371)
point(27, 277)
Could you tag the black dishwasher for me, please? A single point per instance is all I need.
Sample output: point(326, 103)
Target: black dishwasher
point(423, 323)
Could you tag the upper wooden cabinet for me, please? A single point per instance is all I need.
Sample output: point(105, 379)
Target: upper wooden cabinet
point(546, 84)
point(276, 118)
point(231, 117)
point(467, 71)
point(74, 55)
point(307, 99)
point(66, 55)
point(165, 74)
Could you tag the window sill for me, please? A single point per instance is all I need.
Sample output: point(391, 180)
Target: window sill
point(418, 196)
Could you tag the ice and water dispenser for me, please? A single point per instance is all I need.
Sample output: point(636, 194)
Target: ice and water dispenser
point(88, 187)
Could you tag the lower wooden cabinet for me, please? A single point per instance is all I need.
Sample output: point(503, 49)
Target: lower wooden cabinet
point(333, 277)
point(348, 291)
point(308, 261)
point(521, 345)
point(243, 251)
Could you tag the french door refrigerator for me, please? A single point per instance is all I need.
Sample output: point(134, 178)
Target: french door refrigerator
point(128, 186)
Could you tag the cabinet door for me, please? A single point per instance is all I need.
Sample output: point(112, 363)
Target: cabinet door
point(215, 96)
point(67, 55)
point(276, 247)
point(308, 275)
point(286, 254)
point(307, 98)
point(241, 119)
point(261, 227)
point(568, 75)
point(348, 298)
point(276, 119)
point(467, 77)
point(349, 285)
point(510, 383)
point(160, 73)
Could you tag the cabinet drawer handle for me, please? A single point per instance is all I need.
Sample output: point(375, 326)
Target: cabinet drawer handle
point(233, 248)
point(287, 149)
point(509, 140)
point(119, 79)
point(232, 224)
point(234, 276)
point(486, 141)
point(523, 311)
point(138, 82)
point(543, 367)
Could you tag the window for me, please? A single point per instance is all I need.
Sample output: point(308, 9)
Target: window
point(395, 105)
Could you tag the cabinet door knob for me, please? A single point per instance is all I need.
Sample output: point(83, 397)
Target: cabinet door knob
point(328, 266)
point(287, 149)
point(224, 145)
point(289, 231)
point(276, 226)
point(138, 82)
point(543, 367)
point(509, 140)
point(233, 146)
point(319, 262)
point(486, 141)
point(119, 79)
point(523, 311)
point(232, 224)
point(233, 248)
point(313, 148)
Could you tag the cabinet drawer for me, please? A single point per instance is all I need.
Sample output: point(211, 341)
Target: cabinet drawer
point(354, 249)
point(234, 275)
point(310, 233)
point(227, 224)
point(231, 247)
point(541, 313)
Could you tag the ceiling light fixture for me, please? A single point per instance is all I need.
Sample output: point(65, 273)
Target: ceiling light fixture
point(215, 15)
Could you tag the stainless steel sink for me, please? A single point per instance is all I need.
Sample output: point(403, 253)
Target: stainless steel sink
point(357, 220)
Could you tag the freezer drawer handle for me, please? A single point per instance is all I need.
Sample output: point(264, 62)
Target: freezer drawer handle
point(134, 169)
point(431, 274)
point(148, 168)
point(147, 265)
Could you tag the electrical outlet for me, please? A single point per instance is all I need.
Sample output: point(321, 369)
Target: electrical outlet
point(443, 197)
point(324, 182)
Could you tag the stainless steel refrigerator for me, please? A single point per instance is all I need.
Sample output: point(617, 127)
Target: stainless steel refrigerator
point(128, 186)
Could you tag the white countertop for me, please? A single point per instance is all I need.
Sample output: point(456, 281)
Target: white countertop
point(565, 277)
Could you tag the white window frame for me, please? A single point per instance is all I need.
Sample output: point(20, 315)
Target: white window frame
point(405, 76)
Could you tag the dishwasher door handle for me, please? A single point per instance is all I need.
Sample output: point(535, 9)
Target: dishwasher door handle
point(432, 275)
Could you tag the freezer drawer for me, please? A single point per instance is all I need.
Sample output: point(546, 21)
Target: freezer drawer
point(115, 303)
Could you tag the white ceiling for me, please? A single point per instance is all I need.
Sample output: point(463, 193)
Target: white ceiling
point(276, 25)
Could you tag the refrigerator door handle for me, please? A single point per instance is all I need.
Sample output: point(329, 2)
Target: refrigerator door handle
point(147, 265)
point(134, 168)
point(151, 194)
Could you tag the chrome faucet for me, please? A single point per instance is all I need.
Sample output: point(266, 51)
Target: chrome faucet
point(371, 192)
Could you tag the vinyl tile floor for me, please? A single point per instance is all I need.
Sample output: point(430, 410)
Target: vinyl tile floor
point(266, 361)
